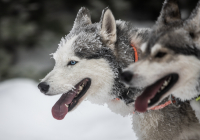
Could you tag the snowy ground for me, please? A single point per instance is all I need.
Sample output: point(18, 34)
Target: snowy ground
point(26, 115)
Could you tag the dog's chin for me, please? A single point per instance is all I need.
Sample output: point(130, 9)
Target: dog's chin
point(154, 93)
point(69, 100)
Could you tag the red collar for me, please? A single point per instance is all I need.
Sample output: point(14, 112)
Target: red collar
point(135, 58)
point(135, 52)
point(159, 106)
point(172, 100)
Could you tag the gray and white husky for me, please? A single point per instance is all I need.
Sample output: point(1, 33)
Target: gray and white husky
point(88, 61)
point(171, 64)
point(87, 66)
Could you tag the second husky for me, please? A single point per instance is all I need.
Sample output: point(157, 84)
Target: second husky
point(171, 64)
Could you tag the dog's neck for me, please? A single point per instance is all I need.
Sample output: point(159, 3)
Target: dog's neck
point(127, 51)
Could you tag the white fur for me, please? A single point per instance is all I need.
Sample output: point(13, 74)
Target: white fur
point(155, 48)
point(119, 107)
point(143, 47)
point(121, 23)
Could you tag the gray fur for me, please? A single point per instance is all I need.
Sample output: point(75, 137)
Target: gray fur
point(83, 18)
point(170, 14)
point(181, 37)
point(169, 123)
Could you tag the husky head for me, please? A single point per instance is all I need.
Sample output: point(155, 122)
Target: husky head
point(86, 64)
point(170, 63)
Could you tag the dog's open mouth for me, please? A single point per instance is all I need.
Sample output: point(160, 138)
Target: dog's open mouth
point(153, 93)
point(70, 99)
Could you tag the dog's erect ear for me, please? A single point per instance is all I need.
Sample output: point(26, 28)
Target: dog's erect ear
point(108, 30)
point(195, 16)
point(194, 19)
point(192, 24)
point(170, 14)
point(83, 18)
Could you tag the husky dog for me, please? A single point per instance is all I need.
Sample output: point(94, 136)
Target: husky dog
point(87, 66)
point(170, 64)
point(88, 61)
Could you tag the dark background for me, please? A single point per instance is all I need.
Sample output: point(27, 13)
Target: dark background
point(31, 29)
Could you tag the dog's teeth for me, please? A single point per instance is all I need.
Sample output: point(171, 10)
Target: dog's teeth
point(165, 83)
point(82, 85)
point(80, 88)
point(149, 101)
point(79, 91)
point(66, 105)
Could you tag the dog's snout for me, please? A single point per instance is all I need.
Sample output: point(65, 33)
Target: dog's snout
point(126, 76)
point(44, 87)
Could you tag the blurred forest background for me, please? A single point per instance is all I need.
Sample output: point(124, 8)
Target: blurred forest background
point(31, 29)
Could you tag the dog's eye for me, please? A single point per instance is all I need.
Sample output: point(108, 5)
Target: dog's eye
point(72, 62)
point(160, 54)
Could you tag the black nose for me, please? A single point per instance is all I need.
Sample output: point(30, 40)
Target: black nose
point(126, 76)
point(44, 87)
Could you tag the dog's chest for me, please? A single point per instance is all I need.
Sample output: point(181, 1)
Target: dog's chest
point(165, 124)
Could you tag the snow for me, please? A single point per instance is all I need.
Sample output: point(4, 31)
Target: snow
point(26, 115)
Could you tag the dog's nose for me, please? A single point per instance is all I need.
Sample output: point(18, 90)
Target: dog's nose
point(44, 87)
point(126, 76)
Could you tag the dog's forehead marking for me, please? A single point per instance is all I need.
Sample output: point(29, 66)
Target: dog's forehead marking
point(65, 51)
point(155, 48)
point(143, 47)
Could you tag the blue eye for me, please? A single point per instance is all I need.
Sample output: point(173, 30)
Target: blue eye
point(72, 62)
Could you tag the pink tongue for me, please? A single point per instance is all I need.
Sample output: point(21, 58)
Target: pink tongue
point(59, 110)
point(141, 103)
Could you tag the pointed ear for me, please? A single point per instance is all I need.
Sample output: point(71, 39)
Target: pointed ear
point(170, 13)
point(108, 29)
point(194, 18)
point(192, 24)
point(83, 18)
